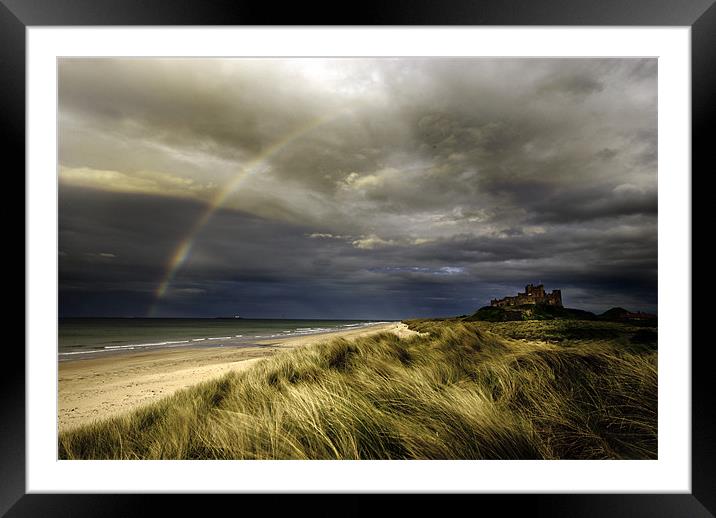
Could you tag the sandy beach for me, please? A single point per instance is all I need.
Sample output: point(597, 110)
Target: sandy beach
point(97, 388)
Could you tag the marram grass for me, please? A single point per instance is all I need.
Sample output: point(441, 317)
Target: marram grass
point(458, 392)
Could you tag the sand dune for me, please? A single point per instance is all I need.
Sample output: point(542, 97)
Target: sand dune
point(101, 387)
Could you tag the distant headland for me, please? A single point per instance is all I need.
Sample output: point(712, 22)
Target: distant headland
point(536, 304)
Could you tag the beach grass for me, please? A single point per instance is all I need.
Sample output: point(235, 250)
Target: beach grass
point(459, 390)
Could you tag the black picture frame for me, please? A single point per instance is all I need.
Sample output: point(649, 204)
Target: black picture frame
point(700, 15)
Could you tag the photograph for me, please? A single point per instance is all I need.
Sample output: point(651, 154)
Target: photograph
point(405, 249)
point(357, 258)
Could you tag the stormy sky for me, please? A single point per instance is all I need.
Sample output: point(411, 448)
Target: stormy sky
point(354, 188)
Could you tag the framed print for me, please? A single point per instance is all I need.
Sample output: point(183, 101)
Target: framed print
point(410, 250)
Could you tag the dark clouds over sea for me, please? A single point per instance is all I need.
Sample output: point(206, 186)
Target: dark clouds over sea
point(372, 188)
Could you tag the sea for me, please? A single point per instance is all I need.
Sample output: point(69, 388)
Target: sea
point(93, 337)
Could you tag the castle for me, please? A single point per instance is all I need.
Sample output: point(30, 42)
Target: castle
point(532, 295)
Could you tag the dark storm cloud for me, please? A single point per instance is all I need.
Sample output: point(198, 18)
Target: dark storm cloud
point(384, 187)
point(578, 84)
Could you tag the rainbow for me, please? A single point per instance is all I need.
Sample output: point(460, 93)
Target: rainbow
point(183, 249)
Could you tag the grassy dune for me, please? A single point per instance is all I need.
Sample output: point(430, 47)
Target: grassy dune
point(464, 390)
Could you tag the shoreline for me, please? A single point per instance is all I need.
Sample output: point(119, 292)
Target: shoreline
point(231, 341)
point(100, 387)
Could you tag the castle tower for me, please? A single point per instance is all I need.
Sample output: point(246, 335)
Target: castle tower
point(555, 298)
point(533, 294)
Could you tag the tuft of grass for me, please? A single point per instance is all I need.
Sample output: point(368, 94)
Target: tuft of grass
point(463, 390)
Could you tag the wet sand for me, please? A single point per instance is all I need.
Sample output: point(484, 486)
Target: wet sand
point(97, 388)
